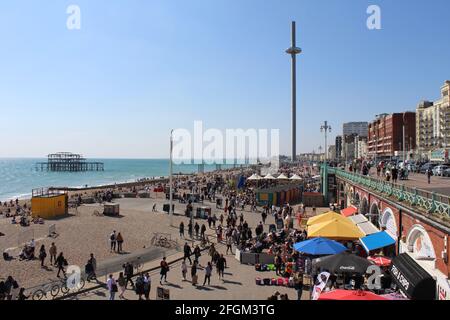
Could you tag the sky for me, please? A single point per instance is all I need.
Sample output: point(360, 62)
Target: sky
point(136, 69)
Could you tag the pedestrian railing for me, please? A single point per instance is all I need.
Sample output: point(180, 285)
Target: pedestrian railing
point(430, 202)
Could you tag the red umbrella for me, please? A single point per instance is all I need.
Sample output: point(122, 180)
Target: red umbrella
point(380, 261)
point(350, 295)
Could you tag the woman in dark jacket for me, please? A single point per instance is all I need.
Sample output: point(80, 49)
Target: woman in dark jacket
point(2, 291)
point(140, 286)
point(42, 255)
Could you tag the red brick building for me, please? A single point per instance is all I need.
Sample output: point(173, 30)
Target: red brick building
point(386, 134)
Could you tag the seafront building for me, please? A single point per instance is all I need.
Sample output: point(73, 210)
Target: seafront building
point(386, 134)
point(338, 147)
point(433, 123)
point(360, 147)
point(332, 152)
point(359, 128)
point(348, 147)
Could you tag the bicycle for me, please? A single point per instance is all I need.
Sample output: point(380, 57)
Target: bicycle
point(52, 288)
point(55, 288)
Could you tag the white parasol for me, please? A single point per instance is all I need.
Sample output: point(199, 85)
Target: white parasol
point(254, 177)
point(269, 177)
point(282, 177)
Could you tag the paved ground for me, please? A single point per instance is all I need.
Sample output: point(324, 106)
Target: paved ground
point(239, 284)
point(83, 233)
point(438, 184)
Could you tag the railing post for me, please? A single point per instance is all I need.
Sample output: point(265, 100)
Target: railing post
point(414, 200)
point(433, 203)
point(401, 193)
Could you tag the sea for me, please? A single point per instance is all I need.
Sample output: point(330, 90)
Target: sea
point(18, 177)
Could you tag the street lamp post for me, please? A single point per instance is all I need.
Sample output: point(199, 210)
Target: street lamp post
point(326, 128)
point(170, 179)
point(403, 140)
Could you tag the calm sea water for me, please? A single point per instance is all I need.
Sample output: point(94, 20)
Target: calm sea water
point(18, 176)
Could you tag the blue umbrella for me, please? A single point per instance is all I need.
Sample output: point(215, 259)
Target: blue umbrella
point(319, 246)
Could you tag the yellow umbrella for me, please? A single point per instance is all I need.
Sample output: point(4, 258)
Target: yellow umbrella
point(335, 230)
point(330, 215)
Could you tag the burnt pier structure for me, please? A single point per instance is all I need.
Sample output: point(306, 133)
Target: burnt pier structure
point(68, 162)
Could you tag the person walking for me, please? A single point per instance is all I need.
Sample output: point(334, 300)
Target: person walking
point(208, 272)
point(264, 216)
point(147, 286)
point(181, 228)
point(112, 287)
point(52, 251)
point(429, 174)
point(278, 264)
point(139, 288)
point(190, 229)
point(298, 285)
point(184, 270)
point(112, 239)
point(121, 282)
point(61, 262)
point(194, 276)
point(197, 230)
point(129, 271)
point(197, 254)
point(42, 255)
point(229, 245)
point(187, 253)
point(91, 268)
point(164, 270)
point(221, 265)
point(203, 231)
point(119, 241)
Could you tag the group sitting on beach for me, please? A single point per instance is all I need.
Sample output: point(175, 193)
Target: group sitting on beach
point(27, 252)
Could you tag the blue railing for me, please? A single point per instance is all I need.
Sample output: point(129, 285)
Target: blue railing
point(430, 202)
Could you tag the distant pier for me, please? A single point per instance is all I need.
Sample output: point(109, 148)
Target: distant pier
point(68, 162)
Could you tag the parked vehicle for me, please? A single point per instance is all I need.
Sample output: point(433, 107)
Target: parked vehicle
point(439, 170)
point(426, 166)
point(412, 167)
point(446, 172)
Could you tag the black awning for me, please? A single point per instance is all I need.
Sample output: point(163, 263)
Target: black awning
point(412, 279)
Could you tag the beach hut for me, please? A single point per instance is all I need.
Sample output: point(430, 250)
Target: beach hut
point(49, 204)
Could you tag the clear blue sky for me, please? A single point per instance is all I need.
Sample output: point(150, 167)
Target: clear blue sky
point(138, 68)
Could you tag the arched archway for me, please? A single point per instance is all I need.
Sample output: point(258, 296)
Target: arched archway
point(419, 244)
point(387, 222)
point(350, 194)
point(356, 198)
point(364, 206)
point(374, 214)
point(342, 197)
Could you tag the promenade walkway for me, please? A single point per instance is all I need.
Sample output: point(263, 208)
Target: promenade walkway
point(418, 180)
